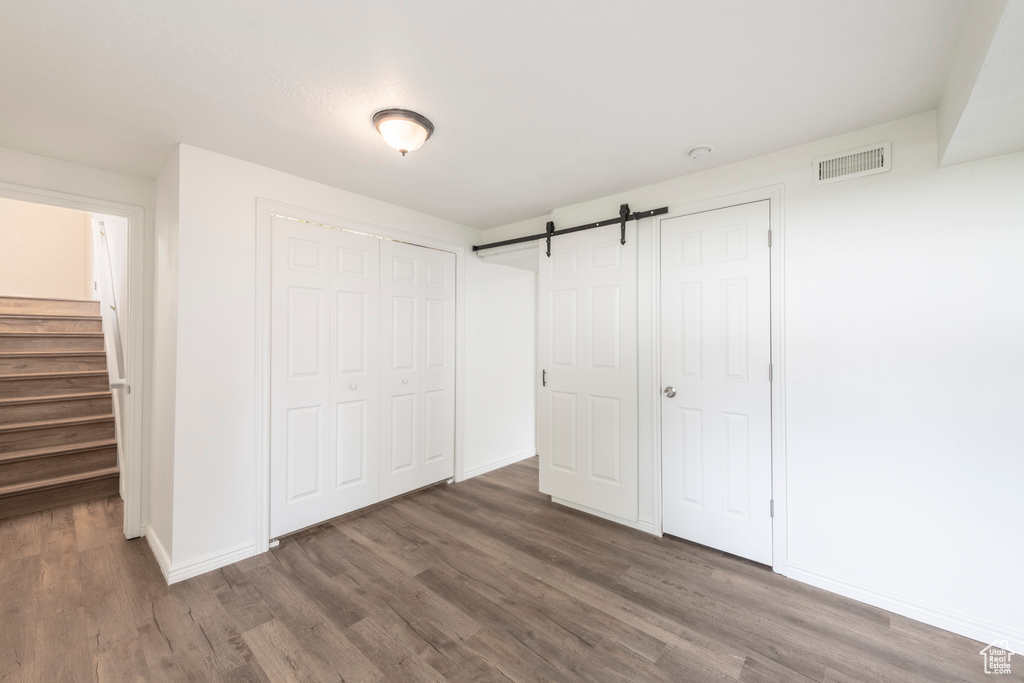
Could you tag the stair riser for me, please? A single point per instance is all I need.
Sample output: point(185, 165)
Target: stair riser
point(52, 386)
point(45, 342)
point(34, 501)
point(35, 469)
point(13, 365)
point(50, 325)
point(27, 439)
point(55, 410)
point(48, 307)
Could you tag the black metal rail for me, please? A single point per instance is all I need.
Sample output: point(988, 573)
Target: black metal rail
point(624, 216)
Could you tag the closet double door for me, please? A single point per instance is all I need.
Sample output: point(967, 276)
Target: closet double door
point(362, 371)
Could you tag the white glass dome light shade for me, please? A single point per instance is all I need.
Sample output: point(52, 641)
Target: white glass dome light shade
point(402, 129)
point(405, 136)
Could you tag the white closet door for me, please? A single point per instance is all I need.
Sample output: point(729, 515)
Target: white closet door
point(355, 374)
point(300, 404)
point(716, 347)
point(587, 345)
point(417, 332)
point(324, 379)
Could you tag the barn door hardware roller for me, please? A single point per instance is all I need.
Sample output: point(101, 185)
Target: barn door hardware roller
point(624, 217)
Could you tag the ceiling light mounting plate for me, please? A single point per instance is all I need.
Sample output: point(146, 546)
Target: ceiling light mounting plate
point(699, 152)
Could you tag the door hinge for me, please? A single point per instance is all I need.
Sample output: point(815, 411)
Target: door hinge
point(543, 378)
point(769, 372)
point(771, 505)
point(769, 238)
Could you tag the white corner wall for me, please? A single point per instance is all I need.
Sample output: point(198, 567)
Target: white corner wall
point(904, 376)
point(45, 251)
point(214, 396)
point(501, 362)
point(164, 363)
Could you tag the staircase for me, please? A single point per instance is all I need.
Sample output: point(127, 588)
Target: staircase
point(57, 441)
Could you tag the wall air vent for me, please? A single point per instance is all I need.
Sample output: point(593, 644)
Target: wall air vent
point(853, 164)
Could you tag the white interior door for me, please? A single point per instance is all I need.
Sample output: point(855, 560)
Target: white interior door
point(417, 434)
point(324, 374)
point(587, 346)
point(716, 350)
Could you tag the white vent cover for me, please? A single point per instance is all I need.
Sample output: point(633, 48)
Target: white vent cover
point(853, 164)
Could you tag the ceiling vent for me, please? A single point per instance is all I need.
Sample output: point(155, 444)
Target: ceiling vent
point(853, 164)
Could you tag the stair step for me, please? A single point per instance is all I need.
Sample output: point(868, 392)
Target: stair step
point(49, 383)
point(38, 464)
point(20, 499)
point(50, 323)
point(31, 305)
point(49, 361)
point(15, 342)
point(15, 410)
point(61, 432)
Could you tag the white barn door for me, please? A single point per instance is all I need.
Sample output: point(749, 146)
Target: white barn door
point(715, 355)
point(587, 346)
point(417, 336)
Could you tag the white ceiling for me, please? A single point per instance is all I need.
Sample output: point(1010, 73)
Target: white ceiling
point(537, 103)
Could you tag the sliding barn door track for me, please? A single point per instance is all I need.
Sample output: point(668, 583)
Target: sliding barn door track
point(623, 217)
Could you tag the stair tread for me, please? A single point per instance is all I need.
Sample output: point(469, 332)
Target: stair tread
point(57, 316)
point(55, 375)
point(18, 400)
point(53, 482)
point(61, 449)
point(57, 422)
point(51, 334)
point(50, 354)
point(47, 298)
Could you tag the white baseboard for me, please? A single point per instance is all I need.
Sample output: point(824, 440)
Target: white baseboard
point(497, 464)
point(208, 563)
point(186, 570)
point(640, 524)
point(163, 559)
point(983, 631)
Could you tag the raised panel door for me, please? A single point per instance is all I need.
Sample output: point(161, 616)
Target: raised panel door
point(716, 350)
point(587, 346)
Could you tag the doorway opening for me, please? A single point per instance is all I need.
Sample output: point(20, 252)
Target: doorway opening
point(70, 345)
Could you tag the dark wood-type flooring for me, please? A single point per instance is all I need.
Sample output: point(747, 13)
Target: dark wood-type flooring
point(479, 581)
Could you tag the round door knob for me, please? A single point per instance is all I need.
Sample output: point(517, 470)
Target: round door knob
point(670, 392)
point(405, 381)
point(353, 386)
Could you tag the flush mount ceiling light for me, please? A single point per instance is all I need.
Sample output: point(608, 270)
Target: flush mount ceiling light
point(403, 129)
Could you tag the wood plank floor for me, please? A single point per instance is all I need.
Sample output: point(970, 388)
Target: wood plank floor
point(479, 581)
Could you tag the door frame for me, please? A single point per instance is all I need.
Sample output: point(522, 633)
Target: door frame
point(131, 449)
point(266, 210)
point(650, 377)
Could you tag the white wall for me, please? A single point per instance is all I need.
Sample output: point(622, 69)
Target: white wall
point(44, 251)
point(116, 229)
point(164, 363)
point(214, 411)
point(501, 357)
point(107, 282)
point(904, 377)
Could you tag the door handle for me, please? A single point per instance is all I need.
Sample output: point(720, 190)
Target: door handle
point(670, 392)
